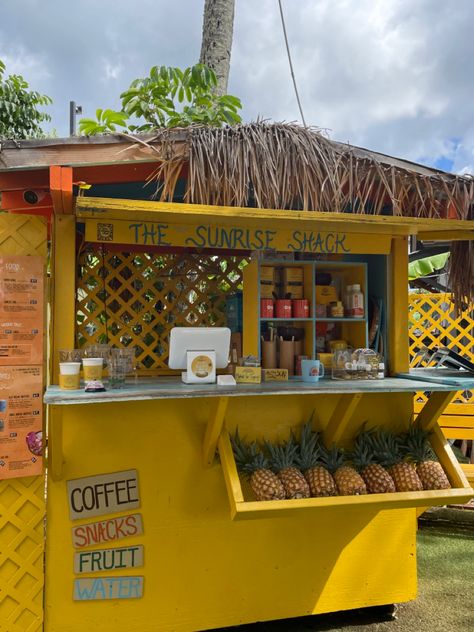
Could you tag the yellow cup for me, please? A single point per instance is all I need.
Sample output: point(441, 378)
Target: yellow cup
point(92, 368)
point(69, 377)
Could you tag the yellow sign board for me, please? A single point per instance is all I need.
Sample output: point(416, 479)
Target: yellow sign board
point(226, 237)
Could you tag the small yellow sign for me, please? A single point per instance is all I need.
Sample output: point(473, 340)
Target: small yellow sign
point(248, 375)
point(275, 375)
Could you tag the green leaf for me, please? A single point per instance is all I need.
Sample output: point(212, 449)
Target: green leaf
point(428, 265)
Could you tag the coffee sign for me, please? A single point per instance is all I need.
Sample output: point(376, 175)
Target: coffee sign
point(103, 494)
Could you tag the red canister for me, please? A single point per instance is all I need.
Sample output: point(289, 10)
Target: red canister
point(300, 308)
point(266, 308)
point(283, 308)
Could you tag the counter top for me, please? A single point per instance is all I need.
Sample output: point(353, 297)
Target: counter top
point(173, 388)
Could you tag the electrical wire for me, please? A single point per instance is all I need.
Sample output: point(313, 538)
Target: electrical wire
point(291, 63)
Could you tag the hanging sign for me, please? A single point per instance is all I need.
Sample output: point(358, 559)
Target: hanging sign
point(108, 530)
point(265, 238)
point(21, 421)
point(108, 559)
point(102, 494)
point(21, 310)
point(100, 588)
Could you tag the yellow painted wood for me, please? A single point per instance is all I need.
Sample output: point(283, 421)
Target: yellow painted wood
point(433, 409)
point(358, 222)
point(214, 429)
point(458, 433)
point(55, 443)
point(447, 235)
point(251, 332)
point(63, 289)
point(468, 469)
point(22, 503)
point(203, 570)
point(447, 458)
point(340, 418)
point(238, 235)
point(457, 421)
point(398, 307)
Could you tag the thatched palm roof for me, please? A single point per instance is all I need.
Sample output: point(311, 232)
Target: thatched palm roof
point(286, 166)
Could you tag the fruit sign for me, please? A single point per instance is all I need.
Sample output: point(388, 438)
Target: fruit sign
point(108, 559)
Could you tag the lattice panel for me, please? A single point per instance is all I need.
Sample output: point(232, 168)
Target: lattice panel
point(136, 298)
point(432, 323)
point(22, 509)
point(22, 235)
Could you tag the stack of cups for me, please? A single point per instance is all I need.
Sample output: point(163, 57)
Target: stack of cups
point(92, 368)
point(69, 375)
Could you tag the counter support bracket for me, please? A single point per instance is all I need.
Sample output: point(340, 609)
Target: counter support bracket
point(55, 443)
point(213, 430)
point(341, 417)
point(434, 407)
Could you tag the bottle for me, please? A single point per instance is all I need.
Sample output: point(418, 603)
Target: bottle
point(356, 309)
point(347, 300)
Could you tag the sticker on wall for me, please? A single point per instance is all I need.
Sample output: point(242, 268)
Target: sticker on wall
point(102, 494)
point(99, 560)
point(108, 530)
point(100, 588)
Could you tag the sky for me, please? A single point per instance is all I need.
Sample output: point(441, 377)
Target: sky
point(393, 76)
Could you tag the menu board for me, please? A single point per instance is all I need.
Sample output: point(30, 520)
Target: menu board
point(21, 310)
point(21, 421)
point(21, 365)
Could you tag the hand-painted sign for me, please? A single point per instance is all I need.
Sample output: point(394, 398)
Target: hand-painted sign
point(108, 530)
point(108, 559)
point(235, 237)
point(99, 588)
point(105, 493)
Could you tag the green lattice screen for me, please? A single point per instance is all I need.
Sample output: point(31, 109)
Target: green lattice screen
point(136, 298)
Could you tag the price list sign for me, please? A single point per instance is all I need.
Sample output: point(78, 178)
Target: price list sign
point(21, 365)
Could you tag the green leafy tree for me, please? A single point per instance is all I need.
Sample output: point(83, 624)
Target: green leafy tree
point(20, 113)
point(168, 97)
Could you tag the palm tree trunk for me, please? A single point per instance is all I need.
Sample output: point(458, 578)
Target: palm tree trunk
point(217, 32)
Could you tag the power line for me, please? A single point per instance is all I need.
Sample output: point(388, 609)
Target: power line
point(290, 62)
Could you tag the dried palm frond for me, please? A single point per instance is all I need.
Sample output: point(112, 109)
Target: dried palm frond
point(286, 166)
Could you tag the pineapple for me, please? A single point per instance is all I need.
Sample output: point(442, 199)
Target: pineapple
point(348, 480)
point(252, 463)
point(282, 458)
point(320, 481)
point(376, 477)
point(417, 447)
point(388, 451)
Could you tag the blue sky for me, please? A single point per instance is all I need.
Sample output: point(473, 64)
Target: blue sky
point(390, 75)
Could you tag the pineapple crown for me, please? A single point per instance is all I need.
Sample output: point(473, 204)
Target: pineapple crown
point(362, 454)
point(387, 448)
point(333, 458)
point(309, 453)
point(415, 444)
point(248, 456)
point(282, 455)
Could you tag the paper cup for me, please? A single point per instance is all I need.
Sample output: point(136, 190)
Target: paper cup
point(92, 368)
point(69, 377)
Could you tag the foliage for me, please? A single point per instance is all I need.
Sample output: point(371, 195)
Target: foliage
point(423, 267)
point(168, 97)
point(20, 116)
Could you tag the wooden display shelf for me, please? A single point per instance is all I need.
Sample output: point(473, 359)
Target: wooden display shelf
point(243, 508)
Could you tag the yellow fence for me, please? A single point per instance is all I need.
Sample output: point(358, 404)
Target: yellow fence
point(433, 322)
point(22, 500)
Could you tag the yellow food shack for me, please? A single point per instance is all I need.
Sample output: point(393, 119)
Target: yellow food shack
point(150, 523)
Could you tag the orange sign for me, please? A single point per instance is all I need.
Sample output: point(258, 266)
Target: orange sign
point(21, 421)
point(21, 310)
